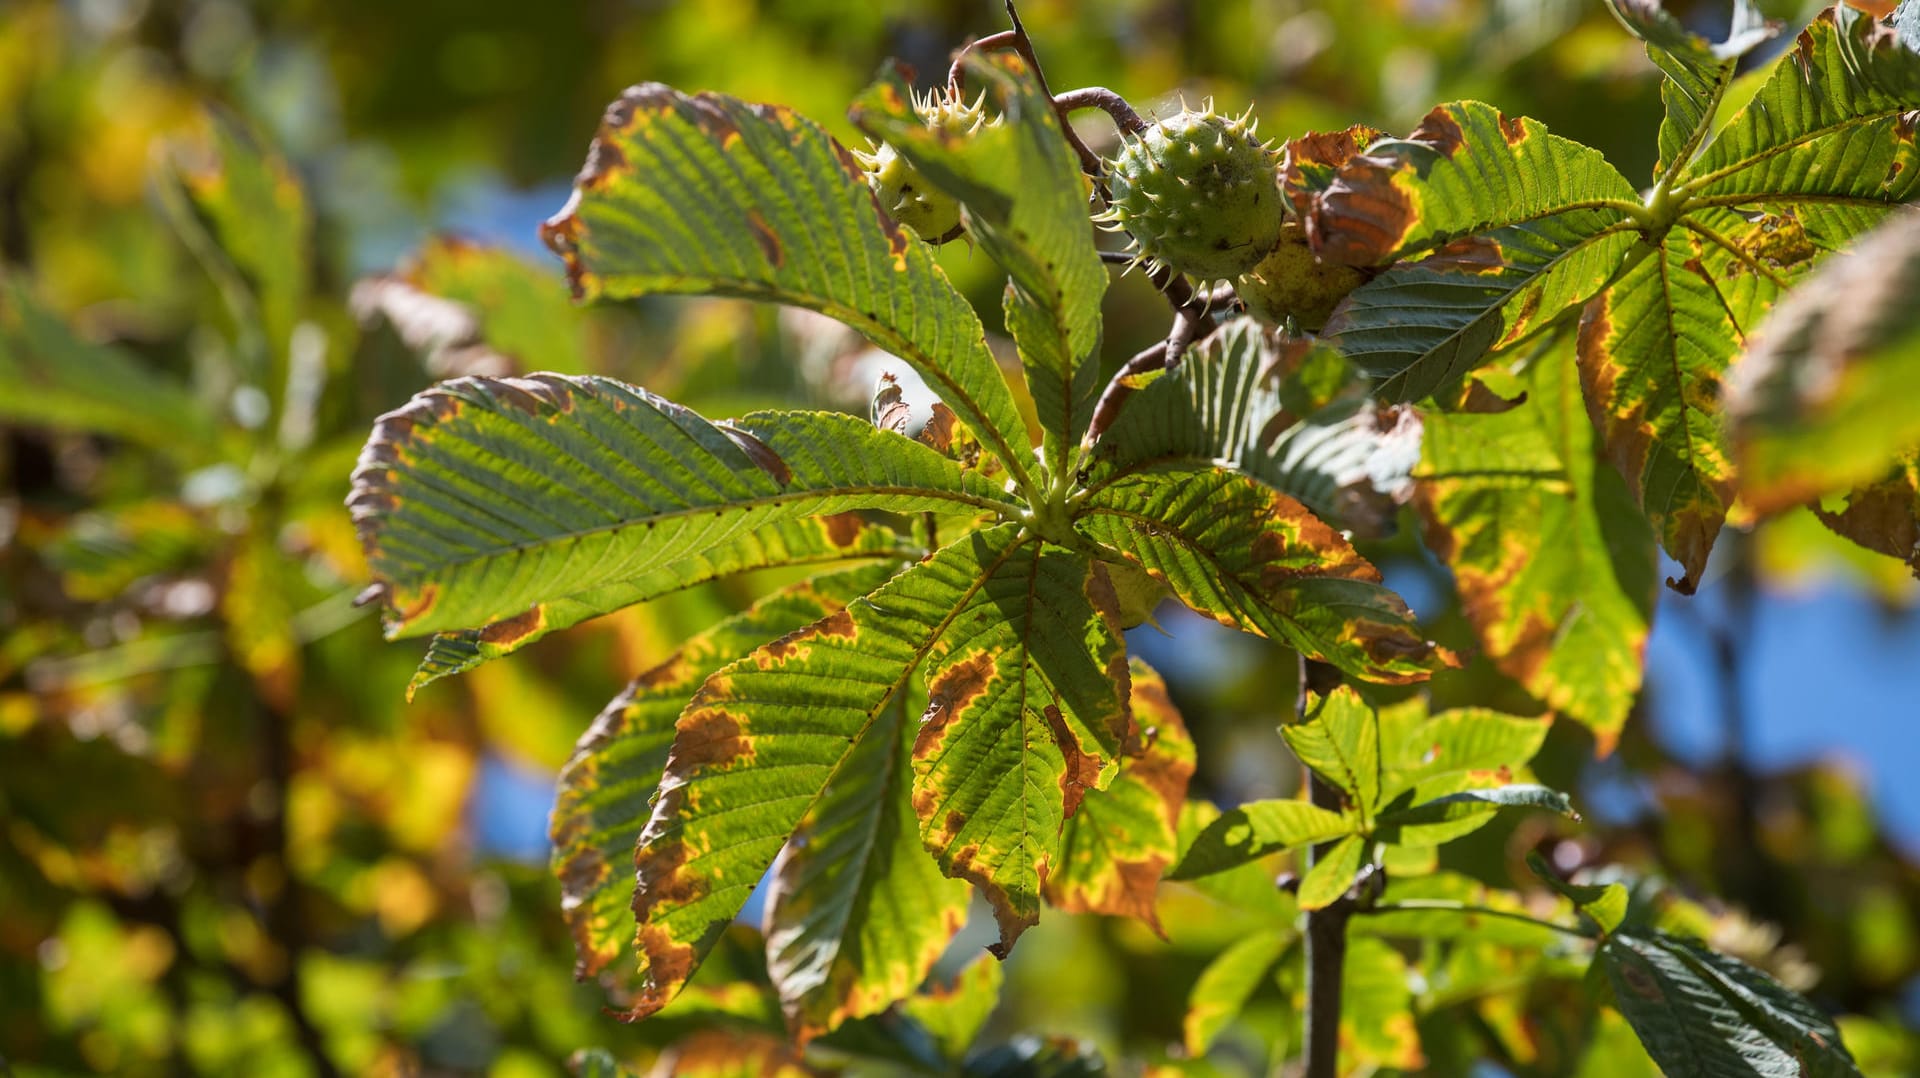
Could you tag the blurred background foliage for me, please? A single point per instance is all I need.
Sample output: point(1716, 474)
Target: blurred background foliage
point(234, 232)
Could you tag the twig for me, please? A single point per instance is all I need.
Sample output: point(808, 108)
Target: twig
point(1017, 40)
point(1107, 408)
point(1326, 938)
point(1099, 97)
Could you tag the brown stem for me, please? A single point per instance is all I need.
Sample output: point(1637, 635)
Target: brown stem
point(1017, 40)
point(1326, 937)
point(1099, 97)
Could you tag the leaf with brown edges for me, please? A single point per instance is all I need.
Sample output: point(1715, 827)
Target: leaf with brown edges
point(1027, 715)
point(764, 736)
point(710, 195)
point(1555, 570)
point(1121, 842)
point(605, 790)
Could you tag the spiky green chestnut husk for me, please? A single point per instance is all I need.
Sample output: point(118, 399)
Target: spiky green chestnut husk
point(1290, 281)
point(905, 194)
point(1199, 193)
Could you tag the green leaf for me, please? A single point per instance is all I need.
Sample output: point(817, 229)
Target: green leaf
point(246, 218)
point(1026, 202)
point(1227, 983)
point(858, 912)
point(1341, 741)
point(1248, 887)
point(1248, 556)
point(1027, 715)
point(1652, 353)
point(764, 736)
point(787, 543)
point(708, 194)
point(1605, 903)
point(1554, 570)
point(954, 1014)
point(1431, 823)
point(1467, 169)
point(1820, 401)
point(50, 376)
point(473, 309)
point(1251, 831)
point(1697, 71)
point(1115, 850)
point(605, 790)
point(1883, 515)
point(1423, 324)
point(1463, 740)
point(1346, 460)
point(1497, 224)
point(484, 497)
point(1376, 1008)
point(1332, 873)
point(1830, 133)
point(1699, 1013)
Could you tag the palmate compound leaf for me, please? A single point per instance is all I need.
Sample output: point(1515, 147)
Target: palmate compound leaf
point(605, 790)
point(1697, 71)
point(787, 543)
point(708, 194)
point(482, 498)
point(1831, 133)
point(1026, 680)
point(1345, 458)
point(1555, 572)
point(1704, 1015)
point(1825, 150)
point(1248, 556)
point(1820, 402)
point(1115, 850)
point(1026, 203)
point(1495, 225)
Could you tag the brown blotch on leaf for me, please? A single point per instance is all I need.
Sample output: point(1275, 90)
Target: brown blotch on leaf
point(674, 671)
point(769, 240)
point(1513, 129)
point(1082, 771)
point(1440, 131)
point(839, 623)
point(762, 454)
point(1477, 254)
point(939, 429)
point(708, 737)
point(1315, 154)
point(843, 529)
point(950, 692)
point(510, 631)
point(1274, 547)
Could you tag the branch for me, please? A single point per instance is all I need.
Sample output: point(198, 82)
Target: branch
point(1326, 935)
point(1017, 40)
point(1099, 97)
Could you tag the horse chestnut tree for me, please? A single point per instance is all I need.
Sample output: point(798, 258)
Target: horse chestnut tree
point(949, 708)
